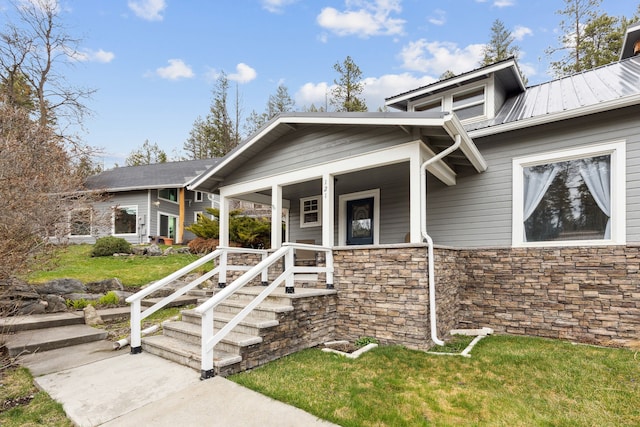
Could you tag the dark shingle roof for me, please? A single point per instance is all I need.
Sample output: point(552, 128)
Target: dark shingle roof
point(159, 175)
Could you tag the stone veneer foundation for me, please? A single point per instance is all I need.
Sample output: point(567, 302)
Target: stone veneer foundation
point(589, 294)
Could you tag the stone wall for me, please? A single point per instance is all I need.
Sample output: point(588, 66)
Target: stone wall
point(383, 293)
point(584, 294)
point(589, 294)
point(311, 322)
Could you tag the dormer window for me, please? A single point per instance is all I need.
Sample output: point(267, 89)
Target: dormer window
point(469, 104)
point(430, 107)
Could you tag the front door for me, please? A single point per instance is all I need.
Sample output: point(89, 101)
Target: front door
point(360, 221)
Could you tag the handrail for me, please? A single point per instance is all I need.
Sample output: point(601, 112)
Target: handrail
point(137, 315)
point(209, 340)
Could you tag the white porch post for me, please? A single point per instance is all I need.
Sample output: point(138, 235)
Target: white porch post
point(223, 239)
point(276, 216)
point(224, 221)
point(415, 199)
point(328, 208)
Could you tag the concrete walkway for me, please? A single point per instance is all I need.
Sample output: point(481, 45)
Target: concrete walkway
point(101, 387)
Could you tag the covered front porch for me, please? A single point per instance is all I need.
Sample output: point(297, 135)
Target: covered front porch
point(344, 179)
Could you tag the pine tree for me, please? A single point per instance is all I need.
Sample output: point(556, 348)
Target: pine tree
point(146, 155)
point(215, 135)
point(349, 87)
point(500, 45)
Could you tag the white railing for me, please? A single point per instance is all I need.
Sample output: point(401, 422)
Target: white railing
point(137, 315)
point(287, 251)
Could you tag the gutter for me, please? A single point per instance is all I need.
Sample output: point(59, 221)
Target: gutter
point(425, 235)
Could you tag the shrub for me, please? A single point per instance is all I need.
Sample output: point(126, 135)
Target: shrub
point(110, 298)
point(107, 246)
point(248, 232)
point(200, 245)
point(362, 341)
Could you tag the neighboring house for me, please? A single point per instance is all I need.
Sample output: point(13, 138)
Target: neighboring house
point(532, 201)
point(144, 203)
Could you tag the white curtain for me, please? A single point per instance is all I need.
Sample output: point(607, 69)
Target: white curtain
point(597, 175)
point(535, 186)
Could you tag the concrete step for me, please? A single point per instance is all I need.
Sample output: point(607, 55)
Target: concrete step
point(190, 333)
point(250, 325)
point(248, 294)
point(178, 302)
point(186, 354)
point(40, 321)
point(201, 293)
point(44, 339)
point(263, 311)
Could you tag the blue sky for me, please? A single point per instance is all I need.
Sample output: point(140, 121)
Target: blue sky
point(155, 62)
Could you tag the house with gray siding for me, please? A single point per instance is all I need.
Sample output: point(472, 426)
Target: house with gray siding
point(144, 203)
point(479, 202)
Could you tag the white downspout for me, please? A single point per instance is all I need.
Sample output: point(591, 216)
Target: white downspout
point(423, 231)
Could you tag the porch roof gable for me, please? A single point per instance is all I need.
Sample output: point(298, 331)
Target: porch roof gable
point(410, 122)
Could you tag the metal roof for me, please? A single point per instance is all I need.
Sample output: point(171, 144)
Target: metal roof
point(604, 88)
point(159, 175)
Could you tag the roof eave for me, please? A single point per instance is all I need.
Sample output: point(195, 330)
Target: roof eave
point(555, 117)
point(402, 99)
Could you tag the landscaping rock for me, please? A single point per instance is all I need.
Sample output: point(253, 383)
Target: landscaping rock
point(104, 286)
point(91, 316)
point(55, 303)
point(31, 307)
point(139, 250)
point(154, 250)
point(86, 296)
point(61, 287)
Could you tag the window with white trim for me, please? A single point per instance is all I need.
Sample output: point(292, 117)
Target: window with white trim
point(469, 104)
point(170, 194)
point(430, 107)
point(570, 197)
point(125, 220)
point(199, 196)
point(310, 212)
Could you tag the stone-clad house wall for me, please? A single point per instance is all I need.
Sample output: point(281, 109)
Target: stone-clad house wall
point(588, 295)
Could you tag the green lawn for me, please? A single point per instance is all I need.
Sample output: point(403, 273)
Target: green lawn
point(75, 262)
point(508, 381)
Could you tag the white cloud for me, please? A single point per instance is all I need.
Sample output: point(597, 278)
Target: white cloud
point(276, 6)
point(503, 3)
point(363, 18)
point(243, 74)
point(89, 55)
point(150, 10)
point(439, 17)
point(176, 69)
point(312, 93)
point(376, 89)
point(438, 57)
point(519, 32)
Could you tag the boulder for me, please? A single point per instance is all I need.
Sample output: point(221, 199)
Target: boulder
point(91, 316)
point(61, 287)
point(55, 303)
point(139, 250)
point(104, 286)
point(154, 250)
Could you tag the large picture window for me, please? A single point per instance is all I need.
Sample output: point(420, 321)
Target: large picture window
point(125, 220)
point(570, 197)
